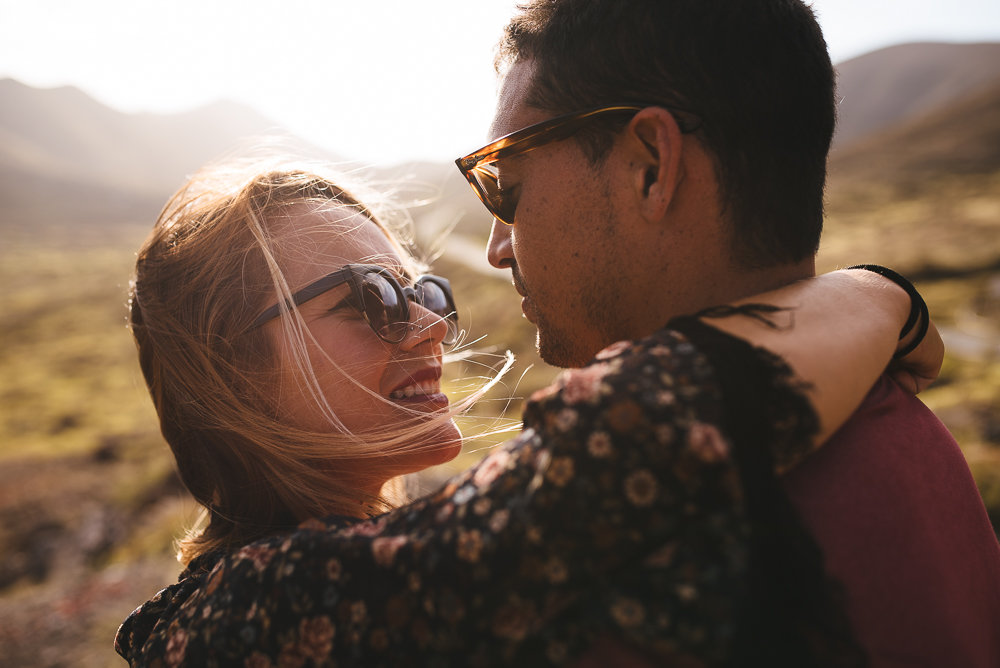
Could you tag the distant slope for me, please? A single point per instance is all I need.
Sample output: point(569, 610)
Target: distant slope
point(892, 85)
point(440, 200)
point(62, 153)
point(64, 157)
point(957, 139)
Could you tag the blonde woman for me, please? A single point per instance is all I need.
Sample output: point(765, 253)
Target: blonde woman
point(293, 361)
point(293, 352)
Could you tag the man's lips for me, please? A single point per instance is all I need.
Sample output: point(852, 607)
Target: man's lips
point(528, 309)
point(518, 283)
point(527, 306)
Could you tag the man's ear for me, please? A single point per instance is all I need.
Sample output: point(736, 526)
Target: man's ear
point(654, 143)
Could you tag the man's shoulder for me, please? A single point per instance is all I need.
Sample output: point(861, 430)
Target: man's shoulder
point(894, 460)
point(892, 433)
point(892, 503)
point(889, 412)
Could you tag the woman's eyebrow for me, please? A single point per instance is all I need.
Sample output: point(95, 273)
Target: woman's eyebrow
point(398, 270)
point(322, 299)
point(348, 300)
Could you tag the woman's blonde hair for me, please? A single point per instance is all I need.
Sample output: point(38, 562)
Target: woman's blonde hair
point(208, 268)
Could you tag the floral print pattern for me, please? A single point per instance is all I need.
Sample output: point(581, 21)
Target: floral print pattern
point(618, 509)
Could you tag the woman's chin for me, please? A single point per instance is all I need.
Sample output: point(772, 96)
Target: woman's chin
point(450, 444)
point(440, 447)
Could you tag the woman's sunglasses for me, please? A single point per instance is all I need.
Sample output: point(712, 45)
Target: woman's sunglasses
point(480, 167)
point(380, 298)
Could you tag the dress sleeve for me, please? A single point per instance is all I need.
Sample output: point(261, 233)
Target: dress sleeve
point(619, 506)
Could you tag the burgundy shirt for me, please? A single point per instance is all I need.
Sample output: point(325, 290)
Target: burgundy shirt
point(892, 503)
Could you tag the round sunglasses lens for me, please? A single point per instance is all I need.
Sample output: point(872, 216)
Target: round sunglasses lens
point(384, 308)
point(433, 299)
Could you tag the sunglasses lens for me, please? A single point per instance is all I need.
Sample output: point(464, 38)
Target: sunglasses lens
point(434, 298)
point(384, 307)
point(499, 205)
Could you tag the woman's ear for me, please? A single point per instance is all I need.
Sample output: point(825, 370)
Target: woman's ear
point(655, 143)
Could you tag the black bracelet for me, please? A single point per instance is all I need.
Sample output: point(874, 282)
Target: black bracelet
point(918, 308)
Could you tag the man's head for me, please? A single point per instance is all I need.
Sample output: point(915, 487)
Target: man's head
point(645, 214)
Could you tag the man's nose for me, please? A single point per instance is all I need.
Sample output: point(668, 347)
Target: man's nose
point(498, 249)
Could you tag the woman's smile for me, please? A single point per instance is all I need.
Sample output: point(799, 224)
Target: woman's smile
point(422, 387)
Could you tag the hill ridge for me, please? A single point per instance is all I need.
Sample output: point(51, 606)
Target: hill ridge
point(901, 82)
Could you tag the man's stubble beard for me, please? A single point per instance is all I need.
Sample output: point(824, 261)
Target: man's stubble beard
point(599, 320)
point(554, 349)
point(566, 347)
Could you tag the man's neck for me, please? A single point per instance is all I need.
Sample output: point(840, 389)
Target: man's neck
point(745, 283)
point(722, 283)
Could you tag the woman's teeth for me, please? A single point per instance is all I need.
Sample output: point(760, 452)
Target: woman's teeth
point(425, 388)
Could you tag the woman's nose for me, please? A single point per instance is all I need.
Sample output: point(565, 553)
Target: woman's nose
point(424, 327)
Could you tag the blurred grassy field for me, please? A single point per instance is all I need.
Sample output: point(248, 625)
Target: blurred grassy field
point(89, 502)
point(88, 497)
point(944, 234)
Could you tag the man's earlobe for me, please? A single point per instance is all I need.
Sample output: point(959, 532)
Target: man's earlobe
point(650, 181)
point(656, 146)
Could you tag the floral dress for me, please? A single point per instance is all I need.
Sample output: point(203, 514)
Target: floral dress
point(618, 509)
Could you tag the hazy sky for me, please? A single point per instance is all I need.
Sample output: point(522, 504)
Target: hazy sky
point(374, 80)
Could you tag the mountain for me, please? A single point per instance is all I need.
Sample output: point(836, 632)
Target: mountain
point(438, 198)
point(66, 157)
point(899, 83)
point(961, 138)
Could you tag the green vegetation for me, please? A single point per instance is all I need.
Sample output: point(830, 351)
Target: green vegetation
point(943, 233)
point(68, 381)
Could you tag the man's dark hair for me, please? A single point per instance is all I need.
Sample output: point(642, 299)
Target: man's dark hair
point(756, 73)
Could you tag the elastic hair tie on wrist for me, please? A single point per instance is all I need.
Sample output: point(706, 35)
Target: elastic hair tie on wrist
point(918, 308)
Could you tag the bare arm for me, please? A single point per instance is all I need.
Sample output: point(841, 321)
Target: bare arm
point(844, 331)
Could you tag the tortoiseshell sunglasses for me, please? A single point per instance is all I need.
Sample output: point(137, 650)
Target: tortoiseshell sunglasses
point(480, 169)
